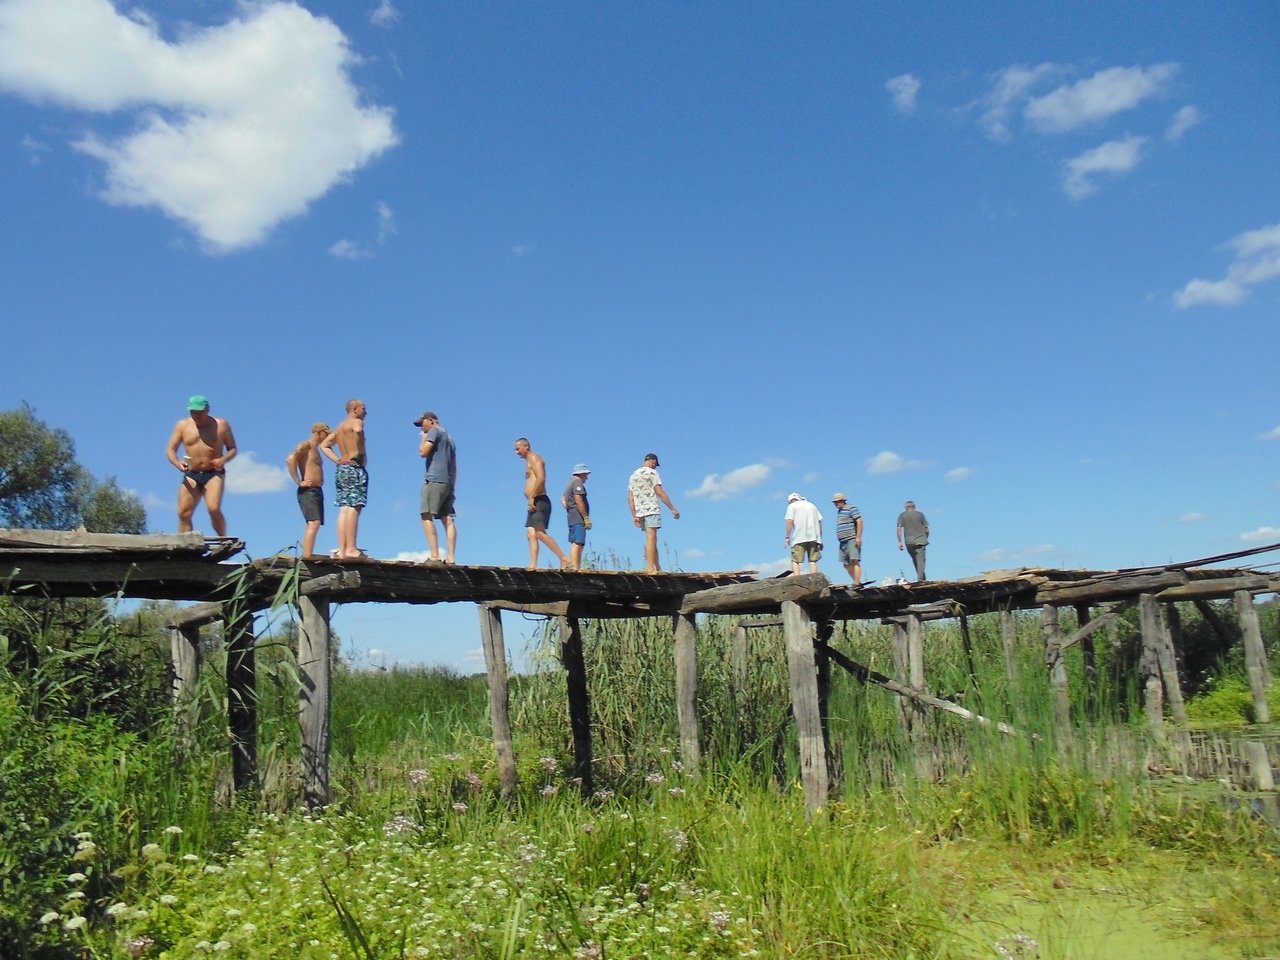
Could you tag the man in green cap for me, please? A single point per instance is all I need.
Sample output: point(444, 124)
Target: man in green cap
point(208, 446)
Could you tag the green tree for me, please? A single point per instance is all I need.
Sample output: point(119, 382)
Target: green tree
point(42, 486)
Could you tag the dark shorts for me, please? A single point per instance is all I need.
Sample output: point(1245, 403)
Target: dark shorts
point(353, 485)
point(578, 533)
point(201, 477)
point(540, 515)
point(311, 503)
point(437, 499)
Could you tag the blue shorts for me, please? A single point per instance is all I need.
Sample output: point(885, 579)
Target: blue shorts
point(353, 485)
point(849, 551)
point(578, 533)
point(651, 522)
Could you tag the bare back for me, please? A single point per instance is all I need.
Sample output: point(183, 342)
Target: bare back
point(306, 466)
point(349, 438)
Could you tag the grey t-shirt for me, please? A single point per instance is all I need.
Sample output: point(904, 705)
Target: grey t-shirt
point(915, 528)
point(575, 486)
point(440, 461)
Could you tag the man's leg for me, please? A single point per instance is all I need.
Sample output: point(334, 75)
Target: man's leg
point(309, 538)
point(575, 555)
point(917, 558)
point(451, 538)
point(429, 528)
point(532, 534)
point(213, 501)
point(651, 550)
point(188, 496)
point(554, 547)
point(355, 529)
point(855, 571)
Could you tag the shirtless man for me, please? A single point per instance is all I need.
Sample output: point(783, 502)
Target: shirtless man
point(352, 476)
point(535, 492)
point(307, 470)
point(209, 446)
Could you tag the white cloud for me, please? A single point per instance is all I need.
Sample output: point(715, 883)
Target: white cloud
point(716, 487)
point(385, 15)
point(994, 556)
point(1182, 121)
point(1262, 533)
point(520, 249)
point(1272, 434)
point(36, 149)
point(770, 569)
point(1113, 157)
point(1192, 517)
point(1257, 261)
point(1010, 87)
point(236, 127)
point(413, 556)
point(903, 90)
point(386, 222)
point(247, 475)
point(350, 250)
point(1040, 548)
point(886, 461)
point(1001, 555)
point(1102, 95)
point(693, 553)
point(958, 474)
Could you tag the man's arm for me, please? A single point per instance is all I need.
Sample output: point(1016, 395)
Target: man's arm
point(296, 464)
point(899, 533)
point(791, 525)
point(857, 529)
point(425, 446)
point(326, 447)
point(662, 495)
point(581, 503)
point(228, 446)
point(175, 441)
point(631, 504)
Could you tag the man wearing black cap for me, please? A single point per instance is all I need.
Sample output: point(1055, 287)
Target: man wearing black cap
point(644, 491)
point(437, 449)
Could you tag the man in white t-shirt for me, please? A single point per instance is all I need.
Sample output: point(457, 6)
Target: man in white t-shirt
point(804, 532)
point(644, 491)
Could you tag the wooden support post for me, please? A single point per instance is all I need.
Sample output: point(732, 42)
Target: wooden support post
point(822, 660)
point(495, 661)
point(1149, 665)
point(1090, 663)
point(242, 700)
point(315, 659)
point(915, 671)
point(915, 651)
point(804, 705)
point(902, 673)
point(1059, 689)
point(1255, 655)
point(686, 657)
point(1168, 660)
point(1009, 638)
point(1259, 765)
point(1225, 636)
point(575, 670)
point(184, 653)
point(738, 657)
point(968, 652)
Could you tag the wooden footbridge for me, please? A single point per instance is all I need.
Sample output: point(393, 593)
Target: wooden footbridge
point(194, 568)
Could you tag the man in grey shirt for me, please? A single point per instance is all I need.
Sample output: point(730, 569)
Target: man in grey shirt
point(913, 528)
point(436, 448)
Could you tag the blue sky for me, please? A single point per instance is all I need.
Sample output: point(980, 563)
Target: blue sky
point(1018, 262)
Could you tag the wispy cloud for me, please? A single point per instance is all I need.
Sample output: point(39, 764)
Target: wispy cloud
point(1115, 157)
point(903, 90)
point(717, 487)
point(694, 553)
point(1182, 121)
point(1257, 261)
point(521, 249)
point(1272, 434)
point(245, 474)
point(1019, 555)
point(957, 474)
point(1262, 533)
point(1192, 517)
point(386, 221)
point(1098, 97)
point(350, 250)
point(235, 127)
point(385, 15)
point(886, 461)
point(770, 568)
point(413, 556)
point(1010, 88)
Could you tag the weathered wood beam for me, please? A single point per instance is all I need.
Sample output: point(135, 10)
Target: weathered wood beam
point(1255, 655)
point(332, 584)
point(19, 539)
point(1219, 588)
point(196, 616)
point(1089, 627)
point(176, 578)
point(754, 623)
point(495, 661)
point(315, 658)
point(867, 675)
point(1167, 658)
point(591, 609)
point(1110, 587)
point(802, 666)
point(754, 594)
point(1149, 665)
point(686, 661)
point(574, 662)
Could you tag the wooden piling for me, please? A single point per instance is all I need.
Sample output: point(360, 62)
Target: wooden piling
point(686, 659)
point(1149, 665)
point(802, 667)
point(902, 673)
point(1090, 662)
point(495, 661)
point(575, 669)
point(1255, 655)
point(184, 664)
point(315, 659)
point(242, 700)
point(738, 656)
point(1167, 657)
point(1259, 765)
point(1059, 684)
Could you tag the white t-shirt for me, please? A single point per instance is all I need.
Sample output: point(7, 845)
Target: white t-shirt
point(808, 521)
